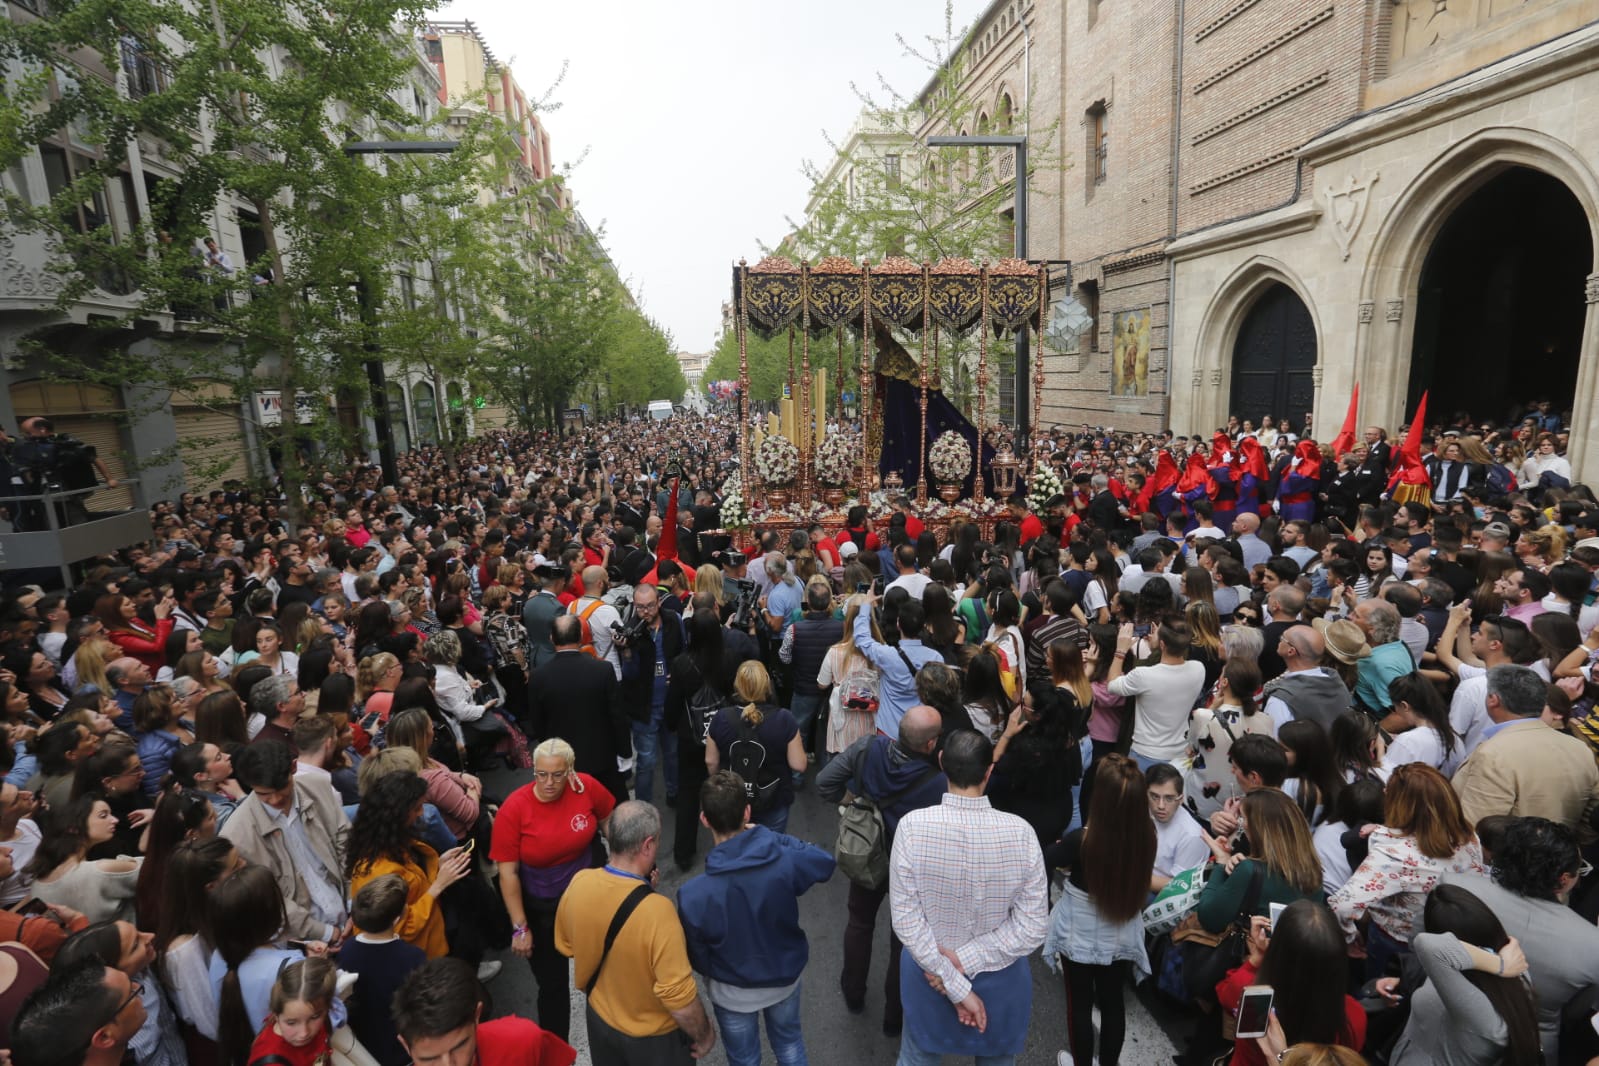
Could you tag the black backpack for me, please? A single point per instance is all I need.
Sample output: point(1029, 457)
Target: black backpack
point(747, 759)
point(702, 709)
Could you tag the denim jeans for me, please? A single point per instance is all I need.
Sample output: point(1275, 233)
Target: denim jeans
point(774, 818)
point(805, 709)
point(911, 1055)
point(653, 743)
point(741, 1033)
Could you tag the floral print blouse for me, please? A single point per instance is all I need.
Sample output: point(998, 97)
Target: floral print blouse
point(1392, 884)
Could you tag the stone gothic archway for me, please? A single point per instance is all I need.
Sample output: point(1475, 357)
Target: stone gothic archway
point(1412, 228)
point(1260, 344)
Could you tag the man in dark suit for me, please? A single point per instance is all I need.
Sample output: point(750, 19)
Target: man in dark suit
point(1104, 509)
point(577, 697)
point(1379, 454)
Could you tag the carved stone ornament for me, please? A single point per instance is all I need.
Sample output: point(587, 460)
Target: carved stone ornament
point(1396, 310)
point(1215, 376)
point(1315, 375)
point(1346, 210)
point(1592, 289)
point(1366, 310)
point(1199, 377)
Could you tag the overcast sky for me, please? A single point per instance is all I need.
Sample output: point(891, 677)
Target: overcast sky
point(696, 117)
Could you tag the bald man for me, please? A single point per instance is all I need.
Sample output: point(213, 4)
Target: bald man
point(905, 771)
point(1246, 527)
point(1306, 691)
point(598, 616)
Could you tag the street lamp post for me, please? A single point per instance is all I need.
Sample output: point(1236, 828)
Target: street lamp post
point(1019, 145)
point(377, 382)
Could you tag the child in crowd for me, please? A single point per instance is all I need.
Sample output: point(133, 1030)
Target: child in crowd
point(297, 1032)
point(381, 961)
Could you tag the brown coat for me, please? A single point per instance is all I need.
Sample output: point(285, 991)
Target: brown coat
point(1528, 769)
point(259, 839)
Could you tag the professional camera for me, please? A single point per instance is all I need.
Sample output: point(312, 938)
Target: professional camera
point(48, 462)
point(632, 630)
point(749, 594)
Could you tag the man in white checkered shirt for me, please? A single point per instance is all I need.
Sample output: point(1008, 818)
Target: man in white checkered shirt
point(969, 898)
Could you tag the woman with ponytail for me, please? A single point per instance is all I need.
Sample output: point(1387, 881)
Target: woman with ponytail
point(245, 915)
point(754, 738)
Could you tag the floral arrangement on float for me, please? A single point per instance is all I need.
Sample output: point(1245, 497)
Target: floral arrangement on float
point(950, 460)
point(835, 460)
point(835, 468)
point(777, 465)
point(735, 513)
point(1045, 485)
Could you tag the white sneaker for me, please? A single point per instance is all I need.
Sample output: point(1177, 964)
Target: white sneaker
point(488, 971)
point(1063, 1058)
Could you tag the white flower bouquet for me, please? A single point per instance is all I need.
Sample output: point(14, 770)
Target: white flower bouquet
point(1044, 485)
point(735, 515)
point(777, 461)
point(950, 457)
point(835, 461)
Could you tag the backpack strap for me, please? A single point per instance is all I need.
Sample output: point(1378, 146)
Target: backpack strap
point(623, 913)
point(906, 659)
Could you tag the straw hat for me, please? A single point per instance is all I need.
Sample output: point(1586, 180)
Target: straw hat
point(1345, 640)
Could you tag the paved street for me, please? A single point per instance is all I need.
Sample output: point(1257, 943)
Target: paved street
point(832, 1034)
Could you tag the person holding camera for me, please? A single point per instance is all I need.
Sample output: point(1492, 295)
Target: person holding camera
point(648, 641)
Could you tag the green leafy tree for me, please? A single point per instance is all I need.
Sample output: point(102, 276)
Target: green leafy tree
point(250, 102)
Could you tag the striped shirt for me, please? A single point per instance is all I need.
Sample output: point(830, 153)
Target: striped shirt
point(970, 879)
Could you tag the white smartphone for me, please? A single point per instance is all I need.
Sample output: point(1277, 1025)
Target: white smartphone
point(1254, 1011)
point(1277, 912)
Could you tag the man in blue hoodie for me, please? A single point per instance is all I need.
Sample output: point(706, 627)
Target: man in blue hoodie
point(741, 920)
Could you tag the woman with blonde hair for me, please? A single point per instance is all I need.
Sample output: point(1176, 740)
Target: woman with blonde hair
point(458, 796)
point(1206, 648)
point(1542, 548)
point(88, 663)
point(375, 681)
point(752, 740)
point(544, 834)
point(1281, 856)
point(708, 579)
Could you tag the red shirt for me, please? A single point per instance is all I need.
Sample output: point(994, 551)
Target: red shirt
point(592, 557)
point(268, 1042)
point(913, 527)
point(1245, 1051)
point(1032, 529)
point(826, 544)
point(541, 835)
point(513, 1041)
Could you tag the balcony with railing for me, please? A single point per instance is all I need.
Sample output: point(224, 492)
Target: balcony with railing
point(52, 530)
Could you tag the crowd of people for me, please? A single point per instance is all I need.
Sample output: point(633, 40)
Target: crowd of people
point(1221, 717)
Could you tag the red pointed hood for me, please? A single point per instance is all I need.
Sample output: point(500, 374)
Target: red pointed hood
point(1196, 474)
point(1345, 441)
point(1166, 474)
point(1252, 459)
point(1408, 467)
point(1307, 459)
point(1222, 451)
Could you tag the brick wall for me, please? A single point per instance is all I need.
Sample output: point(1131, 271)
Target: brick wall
point(1260, 79)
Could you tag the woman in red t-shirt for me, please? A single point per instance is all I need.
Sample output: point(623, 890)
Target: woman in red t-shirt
point(543, 835)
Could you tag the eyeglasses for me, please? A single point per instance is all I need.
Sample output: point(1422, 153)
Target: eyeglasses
point(135, 990)
point(550, 775)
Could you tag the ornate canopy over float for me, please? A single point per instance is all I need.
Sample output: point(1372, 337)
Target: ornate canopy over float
point(911, 437)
